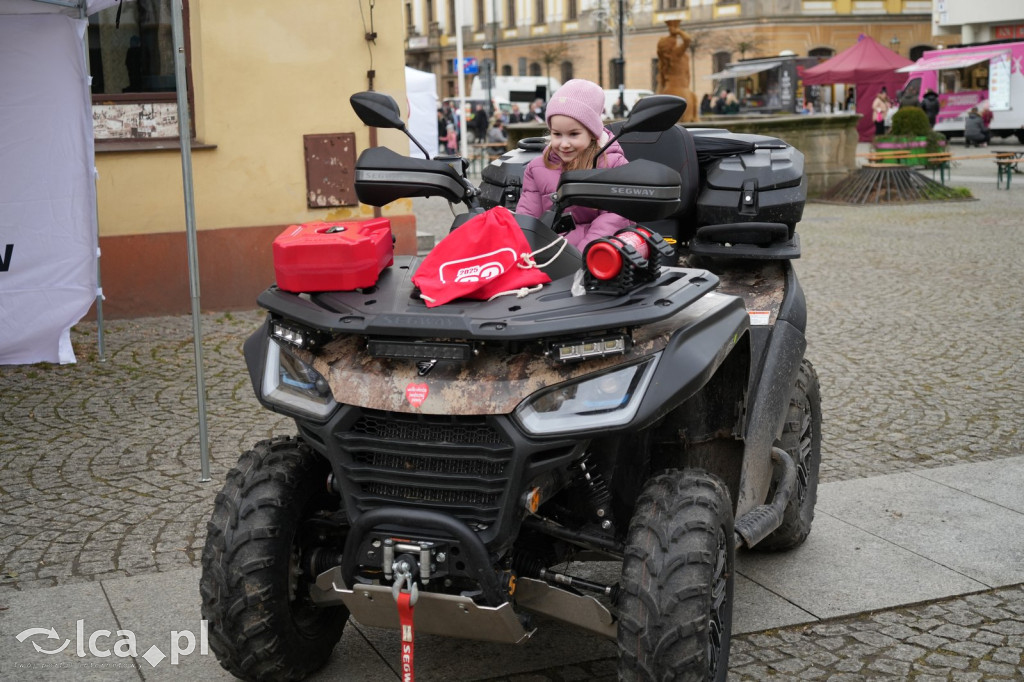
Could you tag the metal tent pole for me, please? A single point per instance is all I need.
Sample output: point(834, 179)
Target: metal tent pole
point(83, 14)
point(185, 137)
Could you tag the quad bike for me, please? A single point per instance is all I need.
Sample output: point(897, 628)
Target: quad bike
point(466, 460)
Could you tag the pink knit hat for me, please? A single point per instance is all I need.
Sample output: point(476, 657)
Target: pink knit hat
point(579, 99)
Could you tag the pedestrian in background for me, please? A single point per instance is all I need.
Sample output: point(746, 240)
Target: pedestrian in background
point(478, 124)
point(536, 114)
point(930, 106)
point(975, 130)
point(496, 137)
point(879, 109)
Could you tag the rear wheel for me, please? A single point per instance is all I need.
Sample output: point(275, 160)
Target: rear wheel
point(801, 438)
point(677, 581)
point(262, 623)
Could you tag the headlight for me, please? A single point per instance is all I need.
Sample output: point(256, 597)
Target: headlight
point(294, 384)
point(594, 402)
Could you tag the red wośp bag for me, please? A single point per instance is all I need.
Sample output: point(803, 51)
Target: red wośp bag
point(486, 256)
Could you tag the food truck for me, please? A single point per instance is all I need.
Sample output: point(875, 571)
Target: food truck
point(768, 85)
point(974, 76)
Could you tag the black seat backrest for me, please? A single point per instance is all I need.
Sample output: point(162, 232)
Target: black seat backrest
point(674, 148)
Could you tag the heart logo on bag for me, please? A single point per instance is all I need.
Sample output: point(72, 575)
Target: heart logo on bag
point(416, 394)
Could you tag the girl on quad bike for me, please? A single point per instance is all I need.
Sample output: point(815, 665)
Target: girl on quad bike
point(577, 134)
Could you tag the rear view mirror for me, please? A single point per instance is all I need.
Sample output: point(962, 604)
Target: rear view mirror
point(651, 114)
point(381, 111)
point(654, 113)
point(377, 109)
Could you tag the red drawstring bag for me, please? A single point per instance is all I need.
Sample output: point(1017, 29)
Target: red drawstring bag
point(485, 257)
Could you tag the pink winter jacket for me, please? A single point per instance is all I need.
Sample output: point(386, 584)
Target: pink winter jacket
point(540, 182)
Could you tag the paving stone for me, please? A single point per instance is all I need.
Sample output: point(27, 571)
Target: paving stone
point(1010, 655)
point(944, 661)
point(890, 667)
point(904, 652)
point(972, 649)
point(928, 641)
point(993, 668)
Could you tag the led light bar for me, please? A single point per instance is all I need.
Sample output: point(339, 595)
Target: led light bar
point(571, 351)
point(419, 350)
point(297, 335)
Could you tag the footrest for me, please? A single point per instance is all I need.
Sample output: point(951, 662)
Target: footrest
point(753, 241)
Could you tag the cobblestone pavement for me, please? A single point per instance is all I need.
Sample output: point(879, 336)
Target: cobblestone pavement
point(968, 639)
point(914, 327)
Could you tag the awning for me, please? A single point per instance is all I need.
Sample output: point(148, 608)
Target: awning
point(950, 61)
point(741, 70)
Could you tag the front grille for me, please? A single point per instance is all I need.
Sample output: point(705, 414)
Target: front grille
point(454, 464)
point(455, 467)
point(404, 427)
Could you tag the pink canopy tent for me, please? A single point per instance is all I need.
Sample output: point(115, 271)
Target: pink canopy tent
point(869, 66)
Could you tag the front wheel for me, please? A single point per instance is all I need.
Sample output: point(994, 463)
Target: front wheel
point(801, 438)
point(675, 608)
point(262, 622)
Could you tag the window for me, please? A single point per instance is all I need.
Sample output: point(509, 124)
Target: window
point(535, 69)
point(138, 55)
point(719, 60)
point(672, 4)
point(918, 51)
point(506, 70)
point(132, 68)
point(451, 17)
point(409, 25)
point(510, 14)
point(571, 11)
point(566, 71)
point(540, 13)
point(481, 18)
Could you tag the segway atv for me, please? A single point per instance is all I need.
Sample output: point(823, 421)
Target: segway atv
point(455, 467)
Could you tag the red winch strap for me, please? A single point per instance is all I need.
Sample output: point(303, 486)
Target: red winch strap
point(405, 619)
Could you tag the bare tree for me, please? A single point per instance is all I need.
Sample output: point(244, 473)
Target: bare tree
point(743, 45)
point(553, 54)
point(703, 41)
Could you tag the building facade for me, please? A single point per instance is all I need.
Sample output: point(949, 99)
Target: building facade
point(589, 39)
point(274, 139)
point(976, 22)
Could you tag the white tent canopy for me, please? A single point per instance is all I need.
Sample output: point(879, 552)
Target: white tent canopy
point(421, 90)
point(48, 230)
point(48, 224)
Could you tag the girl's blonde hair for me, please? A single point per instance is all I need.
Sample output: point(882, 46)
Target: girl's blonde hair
point(583, 160)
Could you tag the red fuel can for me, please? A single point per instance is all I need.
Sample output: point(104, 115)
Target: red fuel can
point(339, 256)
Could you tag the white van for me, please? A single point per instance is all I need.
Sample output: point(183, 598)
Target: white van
point(469, 103)
point(630, 97)
point(516, 89)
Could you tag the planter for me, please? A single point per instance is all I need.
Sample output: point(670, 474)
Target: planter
point(913, 146)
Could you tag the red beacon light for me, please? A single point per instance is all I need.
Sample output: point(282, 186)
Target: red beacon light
point(630, 257)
